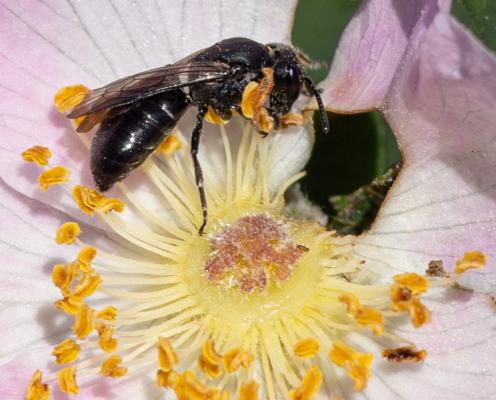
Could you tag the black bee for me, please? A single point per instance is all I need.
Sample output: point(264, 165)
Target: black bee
point(137, 112)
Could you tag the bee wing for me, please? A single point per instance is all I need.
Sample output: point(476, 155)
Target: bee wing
point(145, 84)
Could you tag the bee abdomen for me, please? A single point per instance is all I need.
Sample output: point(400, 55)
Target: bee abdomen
point(122, 143)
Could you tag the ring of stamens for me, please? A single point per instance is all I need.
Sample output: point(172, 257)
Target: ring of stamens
point(191, 319)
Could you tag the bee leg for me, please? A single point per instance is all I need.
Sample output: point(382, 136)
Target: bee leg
point(195, 143)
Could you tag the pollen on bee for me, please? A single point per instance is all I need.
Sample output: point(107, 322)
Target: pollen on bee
point(69, 97)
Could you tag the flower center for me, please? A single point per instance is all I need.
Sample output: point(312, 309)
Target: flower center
point(255, 252)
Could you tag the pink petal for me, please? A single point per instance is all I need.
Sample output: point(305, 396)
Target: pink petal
point(47, 45)
point(441, 107)
point(370, 50)
point(461, 360)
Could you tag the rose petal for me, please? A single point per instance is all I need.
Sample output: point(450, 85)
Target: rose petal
point(370, 50)
point(461, 356)
point(443, 203)
point(47, 45)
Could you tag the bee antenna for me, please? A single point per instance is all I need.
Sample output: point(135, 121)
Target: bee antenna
point(323, 114)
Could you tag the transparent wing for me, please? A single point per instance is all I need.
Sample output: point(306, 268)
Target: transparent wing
point(145, 84)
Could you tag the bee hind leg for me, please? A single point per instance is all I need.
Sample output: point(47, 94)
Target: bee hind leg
point(195, 143)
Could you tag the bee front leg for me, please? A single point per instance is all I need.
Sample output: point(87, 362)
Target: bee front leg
point(195, 143)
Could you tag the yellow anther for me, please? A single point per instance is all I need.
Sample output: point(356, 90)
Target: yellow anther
point(53, 176)
point(169, 145)
point(89, 200)
point(84, 322)
point(209, 360)
point(364, 316)
point(470, 260)
point(214, 118)
point(69, 97)
point(67, 380)
point(307, 348)
point(188, 387)
point(37, 154)
point(111, 367)
point(87, 286)
point(309, 386)
point(107, 204)
point(367, 316)
point(236, 358)
point(358, 365)
point(419, 314)
point(165, 379)
point(86, 198)
point(67, 233)
point(248, 391)
point(263, 121)
point(69, 305)
point(291, 119)
point(106, 341)
point(351, 301)
point(63, 275)
point(37, 390)
point(167, 357)
point(416, 283)
point(66, 351)
point(109, 313)
point(85, 257)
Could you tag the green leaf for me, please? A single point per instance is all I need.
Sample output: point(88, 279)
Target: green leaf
point(480, 17)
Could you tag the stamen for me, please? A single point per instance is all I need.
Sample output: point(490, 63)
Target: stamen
point(37, 390)
point(358, 365)
point(67, 380)
point(84, 322)
point(166, 379)
point(67, 233)
point(416, 283)
point(188, 387)
point(69, 305)
point(209, 360)
point(167, 357)
point(169, 146)
point(291, 119)
point(105, 340)
point(111, 367)
point(307, 348)
point(66, 351)
point(85, 257)
point(214, 118)
point(364, 316)
point(109, 313)
point(53, 176)
point(63, 275)
point(249, 391)
point(89, 200)
point(237, 358)
point(69, 97)
point(37, 154)
point(309, 386)
point(470, 260)
point(404, 354)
